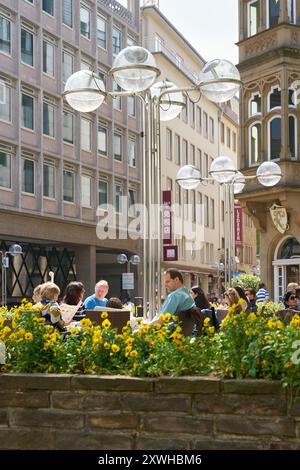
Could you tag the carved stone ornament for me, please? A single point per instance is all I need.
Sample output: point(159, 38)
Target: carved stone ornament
point(259, 45)
point(279, 217)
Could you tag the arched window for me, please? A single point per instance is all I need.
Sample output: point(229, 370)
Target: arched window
point(274, 98)
point(255, 104)
point(274, 138)
point(292, 98)
point(289, 249)
point(255, 143)
point(273, 13)
point(293, 135)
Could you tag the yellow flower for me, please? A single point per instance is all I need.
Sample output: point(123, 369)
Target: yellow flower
point(206, 321)
point(134, 366)
point(53, 337)
point(86, 322)
point(47, 345)
point(115, 348)
point(74, 331)
point(106, 345)
point(133, 353)
point(167, 317)
point(211, 329)
point(174, 317)
point(2, 320)
point(129, 341)
point(83, 343)
point(127, 350)
point(28, 336)
point(104, 315)
point(288, 364)
point(271, 324)
point(106, 324)
point(252, 316)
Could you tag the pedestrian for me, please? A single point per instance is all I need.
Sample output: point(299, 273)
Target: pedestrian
point(98, 299)
point(262, 294)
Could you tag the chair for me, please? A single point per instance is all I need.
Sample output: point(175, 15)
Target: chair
point(117, 318)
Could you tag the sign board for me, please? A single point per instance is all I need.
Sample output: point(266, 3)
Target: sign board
point(171, 253)
point(167, 218)
point(127, 281)
point(238, 225)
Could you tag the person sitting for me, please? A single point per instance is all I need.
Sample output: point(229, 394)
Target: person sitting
point(262, 295)
point(36, 296)
point(251, 296)
point(179, 298)
point(99, 298)
point(50, 309)
point(74, 293)
point(114, 302)
point(290, 301)
point(201, 301)
point(236, 296)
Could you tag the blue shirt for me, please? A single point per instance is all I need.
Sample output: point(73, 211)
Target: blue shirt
point(177, 301)
point(91, 302)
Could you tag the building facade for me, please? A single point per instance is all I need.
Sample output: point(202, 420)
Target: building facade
point(56, 165)
point(269, 63)
point(202, 132)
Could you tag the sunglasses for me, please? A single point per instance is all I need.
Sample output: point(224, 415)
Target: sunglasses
point(292, 297)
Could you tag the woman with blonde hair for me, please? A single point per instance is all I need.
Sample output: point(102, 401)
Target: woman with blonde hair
point(235, 296)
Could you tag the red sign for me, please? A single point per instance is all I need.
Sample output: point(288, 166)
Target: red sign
point(238, 225)
point(167, 218)
point(171, 253)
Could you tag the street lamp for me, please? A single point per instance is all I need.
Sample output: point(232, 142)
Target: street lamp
point(135, 70)
point(224, 172)
point(13, 250)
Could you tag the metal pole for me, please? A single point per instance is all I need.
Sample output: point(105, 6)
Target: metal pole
point(225, 236)
point(159, 204)
point(2, 280)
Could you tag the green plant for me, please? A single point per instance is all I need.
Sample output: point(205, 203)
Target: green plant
point(247, 281)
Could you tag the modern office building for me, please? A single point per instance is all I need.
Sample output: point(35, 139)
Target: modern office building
point(57, 165)
point(269, 63)
point(201, 133)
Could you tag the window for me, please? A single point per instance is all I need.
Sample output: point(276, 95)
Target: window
point(131, 106)
point(28, 176)
point(206, 212)
point(185, 204)
point(84, 65)
point(292, 98)
point(205, 119)
point(49, 181)
point(222, 131)
point(255, 143)
point(178, 199)
point(292, 11)
point(169, 144)
point(184, 152)
point(48, 58)
point(101, 31)
point(68, 182)
point(118, 199)
point(103, 194)
point(102, 140)
point(27, 112)
point(273, 13)
point(212, 213)
point(193, 204)
point(48, 6)
point(253, 17)
point(5, 102)
point(26, 47)
point(199, 161)
point(193, 154)
point(103, 75)
point(206, 169)
point(131, 41)
point(67, 65)
point(199, 119)
point(234, 141)
point(169, 184)
point(192, 113)
point(68, 127)
point(211, 130)
point(274, 138)
point(255, 104)
point(67, 12)
point(293, 136)
point(177, 149)
point(5, 35)
point(184, 112)
point(85, 135)
point(86, 191)
point(132, 196)
point(228, 137)
point(117, 102)
point(116, 40)
point(274, 98)
point(117, 147)
point(5, 170)
point(199, 208)
point(48, 119)
point(131, 149)
point(85, 22)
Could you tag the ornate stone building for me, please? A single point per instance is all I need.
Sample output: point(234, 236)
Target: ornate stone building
point(269, 63)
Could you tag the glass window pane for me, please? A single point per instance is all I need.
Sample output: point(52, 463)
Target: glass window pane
point(275, 138)
point(48, 58)
point(102, 140)
point(103, 194)
point(275, 98)
point(5, 39)
point(132, 212)
point(49, 181)
point(86, 191)
point(5, 102)
point(48, 6)
point(26, 47)
point(131, 152)
point(68, 127)
point(116, 40)
point(292, 135)
point(118, 199)
point(117, 147)
point(5, 170)
point(85, 135)
point(255, 143)
point(131, 105)
point(274, 12)
point(253, 21)
point(67, 60)
point(48, 119)
point(67, 13)
point(68, 195)
point(101, 31)
point(255, 105)
point(28, 176)
point(27, 112)
point(85, 22)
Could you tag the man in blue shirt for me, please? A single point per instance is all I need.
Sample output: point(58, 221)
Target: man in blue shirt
point(99, 298)
point(179, 298)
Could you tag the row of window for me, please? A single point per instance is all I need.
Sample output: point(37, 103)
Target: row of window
point(69, 178)
point(273, 101)
point(194, 115)
point(272, 11)
point(230, 137)
point(245, 254)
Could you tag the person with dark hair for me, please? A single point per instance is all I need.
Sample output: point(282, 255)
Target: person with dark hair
point(251, 296)
point(200, 299)
point(290, 300)
point(233, 296)
point(298, 297)
point(179, 298)
point(262, 294)
point(74, 293)
point(114, 302)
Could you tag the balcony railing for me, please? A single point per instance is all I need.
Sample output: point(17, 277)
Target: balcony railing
point(118, 9)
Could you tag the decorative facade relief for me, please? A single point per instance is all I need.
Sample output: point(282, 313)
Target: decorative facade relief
point(261, 44)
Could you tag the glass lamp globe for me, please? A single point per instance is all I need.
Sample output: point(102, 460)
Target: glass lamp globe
point(15, 249)
point(226, 72)
point(171, 104)
point(84, 91)
point(134, 69)
point(188, 177)
point(223, 169)
point(135, 259)
point(122, 258)
point(239, 183)
point(269, 174)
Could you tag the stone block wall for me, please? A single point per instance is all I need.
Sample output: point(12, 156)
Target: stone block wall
point(40, 411)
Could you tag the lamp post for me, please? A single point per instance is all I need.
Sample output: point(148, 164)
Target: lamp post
point(13, 250)
point(223, 171)
point(135, 70)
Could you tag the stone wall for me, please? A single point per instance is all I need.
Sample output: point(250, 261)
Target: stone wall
point(40, 411)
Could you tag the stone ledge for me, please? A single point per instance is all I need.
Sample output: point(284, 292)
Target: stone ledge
point(115, 383)
point(252, 387)
point(93, 440)
point(35, 381)
point(187, 384)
